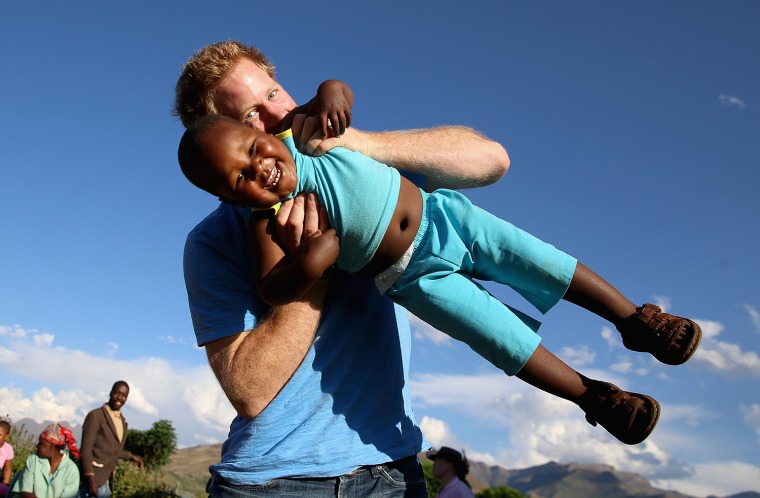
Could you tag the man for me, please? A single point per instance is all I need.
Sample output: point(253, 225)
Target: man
point(451, 468)
point(104, 433)
point(320, 385)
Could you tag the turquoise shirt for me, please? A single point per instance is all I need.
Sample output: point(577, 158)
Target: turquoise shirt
point(359, 194)
point(36, 478)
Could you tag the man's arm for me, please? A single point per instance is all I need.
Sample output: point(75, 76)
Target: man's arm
point(253, 366)
point(89, 434)
point(447, 156)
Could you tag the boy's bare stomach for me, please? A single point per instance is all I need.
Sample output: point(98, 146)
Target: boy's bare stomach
point(401, 230)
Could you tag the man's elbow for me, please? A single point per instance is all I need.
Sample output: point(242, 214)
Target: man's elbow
point(500, 160)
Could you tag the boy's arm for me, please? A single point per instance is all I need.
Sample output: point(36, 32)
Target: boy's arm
point(331, 106)
point(7, 469)
point(282, 278)
point(447, 156)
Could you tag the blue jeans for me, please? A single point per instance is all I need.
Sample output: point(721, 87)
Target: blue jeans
point(104, 491)
point(400, 479)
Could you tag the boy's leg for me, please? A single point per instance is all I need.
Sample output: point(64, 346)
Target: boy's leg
point(590, 291)
point(630, 417)
point(670, 339)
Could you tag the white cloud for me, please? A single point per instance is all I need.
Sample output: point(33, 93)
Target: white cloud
point(752, 417)
point(14, 331)
point(624, 365)
point(578, 357)
point(732, 101)
point(44, 404)
point(663, 302)
point(715, 478)
point(612, 338)
point(539, 427)
point(439, 433)
point(423, 331)
point(723, 357)
point(43, 339)
point(68, 383)
point(754, 315)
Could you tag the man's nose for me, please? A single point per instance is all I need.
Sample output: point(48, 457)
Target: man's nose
point(272, 115)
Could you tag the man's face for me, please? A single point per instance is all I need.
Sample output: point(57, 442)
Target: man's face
point(441, 467)
point(246, 166)
point(250, 95)
point(118, 397)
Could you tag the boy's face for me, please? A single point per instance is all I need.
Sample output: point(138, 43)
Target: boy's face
point(246, 166)
point(3, 435)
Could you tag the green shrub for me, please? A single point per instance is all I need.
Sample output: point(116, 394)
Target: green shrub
point(23, 443)
point(134, 482)
point(501, 492)
point(155, 446)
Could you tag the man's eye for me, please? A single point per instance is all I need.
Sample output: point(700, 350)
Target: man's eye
point(251, 114)
point(272, 94)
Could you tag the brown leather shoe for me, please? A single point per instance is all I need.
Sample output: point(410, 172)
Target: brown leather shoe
point(630, 417)
point(671, 339)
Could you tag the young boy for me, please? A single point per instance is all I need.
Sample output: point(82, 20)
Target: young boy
point(424, 249)
point(6, 456)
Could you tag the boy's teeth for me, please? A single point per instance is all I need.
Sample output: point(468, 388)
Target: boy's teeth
point(274, 177)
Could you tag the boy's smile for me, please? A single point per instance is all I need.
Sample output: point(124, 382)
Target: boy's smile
point(246, 166)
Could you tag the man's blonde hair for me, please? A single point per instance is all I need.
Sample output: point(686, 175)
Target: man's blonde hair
point(202, 73)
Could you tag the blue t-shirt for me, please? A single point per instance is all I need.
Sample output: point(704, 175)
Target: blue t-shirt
point(347, 405)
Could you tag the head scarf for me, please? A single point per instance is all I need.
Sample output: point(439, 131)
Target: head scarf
point(58, 435)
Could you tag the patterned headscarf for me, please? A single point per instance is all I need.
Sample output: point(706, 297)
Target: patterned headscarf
point(58, 435)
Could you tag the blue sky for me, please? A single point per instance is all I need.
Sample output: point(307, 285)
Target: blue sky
point(634, 134)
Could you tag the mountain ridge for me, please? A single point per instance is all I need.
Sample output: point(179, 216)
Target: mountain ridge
point(188, 472)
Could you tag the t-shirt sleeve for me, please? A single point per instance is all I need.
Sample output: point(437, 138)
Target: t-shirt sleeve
point(220, 286)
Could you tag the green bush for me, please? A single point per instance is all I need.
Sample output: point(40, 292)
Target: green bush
point(501, 492)
point(134, 482)
point(23, 443)
point(155, 446)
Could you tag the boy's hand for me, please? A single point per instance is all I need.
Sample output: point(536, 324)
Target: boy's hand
point(321, 253)
point(298, 220)
point(333, 107)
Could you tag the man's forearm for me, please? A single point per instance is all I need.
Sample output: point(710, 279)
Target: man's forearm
point(448, 156)
point(253, 366)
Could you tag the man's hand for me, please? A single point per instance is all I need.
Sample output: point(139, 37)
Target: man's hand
point(92, 487)
point(136, 459)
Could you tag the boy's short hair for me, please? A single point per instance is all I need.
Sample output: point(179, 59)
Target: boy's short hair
point(190, 151)
point(5, 424)
point(201, 74)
